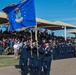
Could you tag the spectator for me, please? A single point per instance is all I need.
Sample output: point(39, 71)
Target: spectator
point(16, 48)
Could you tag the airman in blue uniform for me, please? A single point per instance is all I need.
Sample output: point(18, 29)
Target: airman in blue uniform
point(41, 55)
point(23, 58)
point(59, 49)
point(29, 55)
point(55, 52)
point(34, 57)
point(63, 50)
point(71, 50)
point(46, 59)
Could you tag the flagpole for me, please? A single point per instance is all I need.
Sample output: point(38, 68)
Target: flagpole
point(36, 32)
point(31, 36)
point(36, 39)
point(31, 41)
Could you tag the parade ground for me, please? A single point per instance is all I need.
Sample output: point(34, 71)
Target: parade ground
point(59, 67)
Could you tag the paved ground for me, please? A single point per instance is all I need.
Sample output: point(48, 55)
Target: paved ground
point(59, 67)
point(64, 67)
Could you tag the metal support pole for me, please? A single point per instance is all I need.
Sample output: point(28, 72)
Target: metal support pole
point(65, 33)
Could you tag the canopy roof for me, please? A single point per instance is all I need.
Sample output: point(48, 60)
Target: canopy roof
point(3, 18)
point(3, 15)
point(73, 31)
point(63, 24)
point(41, 23)
point(53, 25)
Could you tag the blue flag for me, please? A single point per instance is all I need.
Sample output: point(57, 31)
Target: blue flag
point(23, 15)
point(9, 8)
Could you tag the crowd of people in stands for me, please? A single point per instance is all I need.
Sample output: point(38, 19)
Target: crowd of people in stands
point(61, 48)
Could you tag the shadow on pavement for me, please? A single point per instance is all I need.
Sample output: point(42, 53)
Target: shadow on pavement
point(17, 66)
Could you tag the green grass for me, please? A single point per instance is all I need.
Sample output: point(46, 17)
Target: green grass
point(8, 61)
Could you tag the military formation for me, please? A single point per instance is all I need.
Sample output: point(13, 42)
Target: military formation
point(35, 59)
point(64, 50)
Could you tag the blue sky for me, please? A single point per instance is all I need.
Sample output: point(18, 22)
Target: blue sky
point(52, 10)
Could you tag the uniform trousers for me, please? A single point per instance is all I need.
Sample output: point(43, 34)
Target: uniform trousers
point(23, 65)
point(46, 67)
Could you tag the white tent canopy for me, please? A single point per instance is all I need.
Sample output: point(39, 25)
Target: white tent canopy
point(3, 18)
point(65, 26)
point(3, 15)
point(41, 23)
point(54, 25)
point(73, 31)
